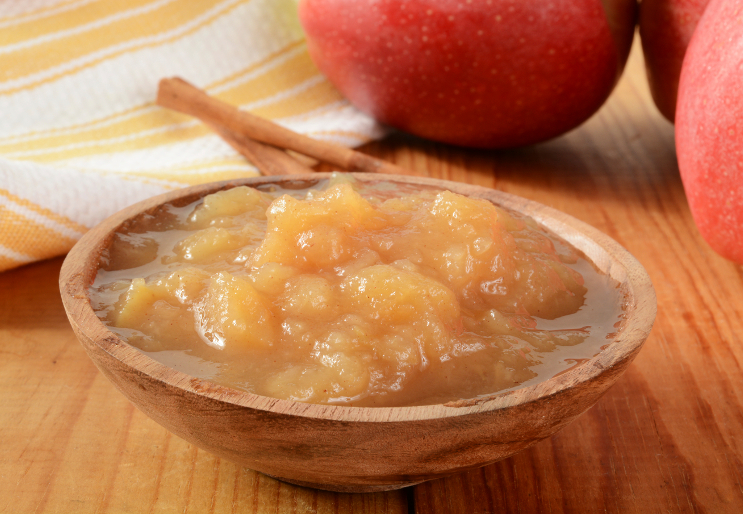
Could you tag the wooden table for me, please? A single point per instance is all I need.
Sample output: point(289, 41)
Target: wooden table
point(668, 437)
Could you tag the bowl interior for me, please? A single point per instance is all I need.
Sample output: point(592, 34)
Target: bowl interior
point(607, 255)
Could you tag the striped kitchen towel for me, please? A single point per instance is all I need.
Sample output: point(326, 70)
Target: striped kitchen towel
point(80, 136)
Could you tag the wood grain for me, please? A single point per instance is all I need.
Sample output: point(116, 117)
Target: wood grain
point(666, 438)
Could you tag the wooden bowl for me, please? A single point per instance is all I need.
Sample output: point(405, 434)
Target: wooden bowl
point(353, 448)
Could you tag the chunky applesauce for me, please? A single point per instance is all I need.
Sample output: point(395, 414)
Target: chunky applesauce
point(352, 293)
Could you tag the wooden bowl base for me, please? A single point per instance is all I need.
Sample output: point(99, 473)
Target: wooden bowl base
point(338, 488)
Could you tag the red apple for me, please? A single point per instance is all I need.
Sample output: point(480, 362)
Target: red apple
point(666, 27)
point(709, 127)
point(482, 73)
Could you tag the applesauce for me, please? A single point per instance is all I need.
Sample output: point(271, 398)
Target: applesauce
point(352, 293)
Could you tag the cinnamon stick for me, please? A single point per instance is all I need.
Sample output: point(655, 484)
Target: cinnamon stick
point(268, 159)
point(177, 94)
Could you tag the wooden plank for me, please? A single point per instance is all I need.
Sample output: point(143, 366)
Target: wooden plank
point(70, 442)
point(667, 436)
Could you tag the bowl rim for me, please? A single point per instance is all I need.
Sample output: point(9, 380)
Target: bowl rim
point(81, 264)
